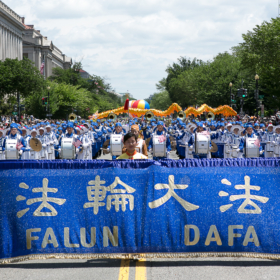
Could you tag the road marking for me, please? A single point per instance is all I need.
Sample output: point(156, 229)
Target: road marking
point(124, 270)
point(140, 273)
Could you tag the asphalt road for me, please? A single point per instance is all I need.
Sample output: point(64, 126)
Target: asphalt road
point(154, 269)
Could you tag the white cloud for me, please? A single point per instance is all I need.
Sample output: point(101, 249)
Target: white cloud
point(132, 42)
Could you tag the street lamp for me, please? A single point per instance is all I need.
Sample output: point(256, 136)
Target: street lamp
point(230, 86)
point(257, 92)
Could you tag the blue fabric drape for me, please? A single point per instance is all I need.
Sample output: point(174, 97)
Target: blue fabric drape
point(133, 164)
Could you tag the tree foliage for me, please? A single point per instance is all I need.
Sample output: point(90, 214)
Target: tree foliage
point(19, 76)
point(260, 53)
point(101, 93)
point(194, 82)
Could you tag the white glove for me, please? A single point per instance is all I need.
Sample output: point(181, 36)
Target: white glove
point(108, 150)
point(51, 142)
point(59, 150)
point(44, 146)
point(77, 150)
point(20, 152)
point(273, 142)
point(150, 150)
point(261, 152)
point(191, 147)
point(237, 150)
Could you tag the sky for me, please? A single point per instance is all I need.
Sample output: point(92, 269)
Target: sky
point(131, 42)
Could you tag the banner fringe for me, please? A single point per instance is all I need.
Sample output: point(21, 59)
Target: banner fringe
point(139, 256)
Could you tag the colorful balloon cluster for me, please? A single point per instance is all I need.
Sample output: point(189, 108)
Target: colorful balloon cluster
point(225, 110)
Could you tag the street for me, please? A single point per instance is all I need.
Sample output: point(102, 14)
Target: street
point(162, 269)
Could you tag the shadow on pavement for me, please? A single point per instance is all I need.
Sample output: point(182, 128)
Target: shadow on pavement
point(163, 263)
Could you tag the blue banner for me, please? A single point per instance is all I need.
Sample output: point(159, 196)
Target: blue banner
point(133, 207)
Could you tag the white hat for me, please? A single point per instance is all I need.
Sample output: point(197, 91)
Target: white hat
point(33, 130)
point(239, 127)
point(277, 126)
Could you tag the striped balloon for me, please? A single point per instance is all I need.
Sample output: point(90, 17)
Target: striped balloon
point(139, 104)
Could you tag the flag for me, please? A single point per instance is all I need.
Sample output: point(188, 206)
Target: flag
point(205, 132)
point(42, 67)
point(257, 142)
point(161, 138)
point(77, 143)
point(126, 104)
point(19, 146)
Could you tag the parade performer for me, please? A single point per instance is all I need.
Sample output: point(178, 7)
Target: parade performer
point(44, 140)
point(269, 139)
point(33, 154)
point(15, 141)
point(68, 149)
point(2, 144)
point(117, 149)
point(235, 142)
point(157, 143)
point(52, 142)
point(277, 141)
point(226, 138)
point(194, 143)
point(26, 137)
point(84, 151)
point(251, 148)
point(130, 142)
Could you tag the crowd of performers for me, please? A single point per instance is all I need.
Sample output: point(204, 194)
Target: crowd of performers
point(86, 140)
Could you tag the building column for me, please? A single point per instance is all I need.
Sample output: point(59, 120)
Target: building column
point(9, 44)
point(1, 45)
point(5, 40)
point(20, 49)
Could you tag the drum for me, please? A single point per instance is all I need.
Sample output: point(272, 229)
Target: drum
point(269, 147)
point(116, 144)
point(277, 150)
point(11, 149)
point(159, 146)
point(67, 148)
point(251, 149)
point(234, 151)
point(202, 143)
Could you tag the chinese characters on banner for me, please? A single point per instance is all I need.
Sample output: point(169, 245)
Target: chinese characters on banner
point(99, 195)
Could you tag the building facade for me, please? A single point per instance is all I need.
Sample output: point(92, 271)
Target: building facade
point(18, 40)
point(11, 33)
point(39, 49)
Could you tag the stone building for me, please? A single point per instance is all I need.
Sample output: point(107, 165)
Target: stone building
point(39, 48)
point(11, 33)
point(18, 40)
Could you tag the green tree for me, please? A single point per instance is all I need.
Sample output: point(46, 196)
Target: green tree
point(101, 92)
point(174, 71)
point(260, 53)
point(160, 101)
point(19, 76)
point(64, 99)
